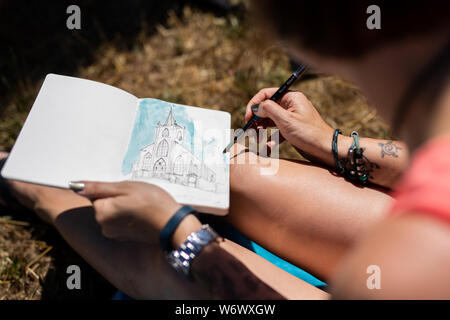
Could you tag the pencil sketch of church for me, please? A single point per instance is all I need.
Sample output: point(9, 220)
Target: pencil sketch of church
point(166, 158)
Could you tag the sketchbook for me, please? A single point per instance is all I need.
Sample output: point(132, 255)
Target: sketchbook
point(80, 129)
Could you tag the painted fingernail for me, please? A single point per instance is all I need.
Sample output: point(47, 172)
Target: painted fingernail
point(76, 186)
point(255, 107)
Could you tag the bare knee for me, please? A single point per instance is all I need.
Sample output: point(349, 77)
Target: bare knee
point(244, 172)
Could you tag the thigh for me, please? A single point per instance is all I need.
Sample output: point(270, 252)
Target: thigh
point(301, 212)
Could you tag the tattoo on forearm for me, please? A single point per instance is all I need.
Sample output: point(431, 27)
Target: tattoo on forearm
point(389, 149)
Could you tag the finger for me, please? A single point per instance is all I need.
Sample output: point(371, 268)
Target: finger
point(262, 95)
point(104, 213)
point(96, 190)
point(100, 213)
point(273, 143)
point(293, 99)
point(272, 110)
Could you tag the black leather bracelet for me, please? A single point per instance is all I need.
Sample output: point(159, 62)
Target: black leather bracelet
point(339, 168)
point(168, 230)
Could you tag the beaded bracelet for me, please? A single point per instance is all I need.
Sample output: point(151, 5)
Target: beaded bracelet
point(357, 168)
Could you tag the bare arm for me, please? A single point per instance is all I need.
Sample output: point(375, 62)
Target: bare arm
point(140, 270)
point(225, 277)
point(303, 127)
point(413, 255)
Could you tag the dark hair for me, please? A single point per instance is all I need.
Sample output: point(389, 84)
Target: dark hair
point(338, 28)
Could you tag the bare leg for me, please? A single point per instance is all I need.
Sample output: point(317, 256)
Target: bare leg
point(140, 270)
point(303, 213)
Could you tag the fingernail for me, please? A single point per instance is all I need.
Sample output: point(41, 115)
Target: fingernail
point(255, 108)
point(76, 186)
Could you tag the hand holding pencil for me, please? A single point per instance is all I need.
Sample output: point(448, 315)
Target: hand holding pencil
point(298, 121)
point(296, 118)
point(275, 97)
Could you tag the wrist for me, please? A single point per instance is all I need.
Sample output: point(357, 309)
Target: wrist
point(186, 227)
point(343, 144)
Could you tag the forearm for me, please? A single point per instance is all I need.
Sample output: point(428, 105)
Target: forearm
point(141, 271)
point(385, 160)
point(226, 270)
point(225, 277)
point(218, 272)
point(138, 269)
point(409, 259)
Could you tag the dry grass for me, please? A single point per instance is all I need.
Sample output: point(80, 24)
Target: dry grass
point(198, 59)
point(20, 271)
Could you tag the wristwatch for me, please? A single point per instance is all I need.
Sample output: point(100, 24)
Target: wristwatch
point(181, 258)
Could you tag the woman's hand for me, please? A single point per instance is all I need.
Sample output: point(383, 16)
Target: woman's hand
point(135, 211)
point(298, 122)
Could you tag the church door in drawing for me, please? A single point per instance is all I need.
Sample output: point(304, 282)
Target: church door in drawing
point(192, 180)
point(192, 175)
point(159, 169)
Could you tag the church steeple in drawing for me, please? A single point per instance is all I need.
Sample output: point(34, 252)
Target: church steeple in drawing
point(170, 121)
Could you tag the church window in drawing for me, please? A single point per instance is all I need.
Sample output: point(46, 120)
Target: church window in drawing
point(178, 167)
point(163, 148)
point(167, 158)
point(147, 161)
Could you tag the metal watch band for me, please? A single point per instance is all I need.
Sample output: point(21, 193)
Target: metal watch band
point(181, 258)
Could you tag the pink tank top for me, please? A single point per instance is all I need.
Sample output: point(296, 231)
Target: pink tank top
point(425, 187)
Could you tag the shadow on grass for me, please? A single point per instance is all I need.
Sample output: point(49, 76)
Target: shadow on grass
point(36, 41)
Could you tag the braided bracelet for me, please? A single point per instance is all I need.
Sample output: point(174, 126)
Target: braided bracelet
point(339, 168)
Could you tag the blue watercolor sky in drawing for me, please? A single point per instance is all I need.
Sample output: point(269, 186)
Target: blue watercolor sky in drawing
point(149, 112)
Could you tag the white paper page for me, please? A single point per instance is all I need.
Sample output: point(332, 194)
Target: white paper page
point(77, 130)
point(179, 148)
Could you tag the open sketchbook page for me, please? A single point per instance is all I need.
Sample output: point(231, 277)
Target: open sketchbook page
point(77, 130)
point(179, 148)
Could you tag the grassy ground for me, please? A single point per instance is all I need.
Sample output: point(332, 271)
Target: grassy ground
point(196, 58)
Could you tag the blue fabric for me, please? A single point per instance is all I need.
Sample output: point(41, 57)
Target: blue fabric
point(286, 266)
point(119, 295)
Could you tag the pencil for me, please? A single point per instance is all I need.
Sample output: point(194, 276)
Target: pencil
point(275, 97)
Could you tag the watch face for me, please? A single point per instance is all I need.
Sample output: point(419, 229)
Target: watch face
point(204, 236)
